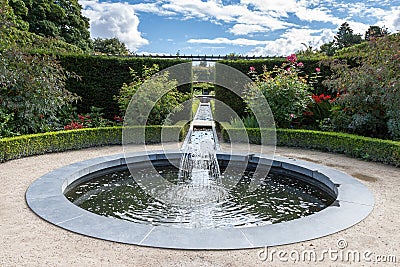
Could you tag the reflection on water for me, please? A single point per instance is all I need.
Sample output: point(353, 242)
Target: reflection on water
point(278, 199)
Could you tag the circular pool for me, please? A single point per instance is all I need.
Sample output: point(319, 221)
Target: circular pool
point(298, 201)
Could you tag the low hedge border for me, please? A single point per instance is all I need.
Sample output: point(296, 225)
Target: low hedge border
point(37, 144)
point(366, 148)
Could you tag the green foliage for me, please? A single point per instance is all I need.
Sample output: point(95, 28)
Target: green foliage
point(32, 91)
point(370, 100)
point(12, 34)
point(7, 16)
point(36, 144)
point(59, 19)
point(151, 83)
point(6, 126)
point(286, 91)
point(20, 11)
point(111, 46)
point(345, 37)
point(101, 78)
point(375, 32)
point(247, 122)
point(328, 48)
point(93, 119)
point(366, 148)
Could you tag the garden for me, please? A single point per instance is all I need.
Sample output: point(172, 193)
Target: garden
point(60, 91)
point(56, 101)
point(55, 96)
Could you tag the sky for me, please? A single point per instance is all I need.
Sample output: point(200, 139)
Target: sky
point(243, 27)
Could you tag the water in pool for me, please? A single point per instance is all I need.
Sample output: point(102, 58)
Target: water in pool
point(278, 199)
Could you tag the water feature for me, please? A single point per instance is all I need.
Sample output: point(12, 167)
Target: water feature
point(199, 180)
point(279, 199)
point(197, 197)
point(292, 204)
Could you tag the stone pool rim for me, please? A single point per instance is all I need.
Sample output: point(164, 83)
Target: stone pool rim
point(45, 197)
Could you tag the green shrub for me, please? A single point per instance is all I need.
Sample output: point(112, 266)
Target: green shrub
point(101, 78)
point(143, 91)
point(369, 92)
point(32, 90)
point(367, 148)
point(247, 122)
point(286, 91)
point(36, 144)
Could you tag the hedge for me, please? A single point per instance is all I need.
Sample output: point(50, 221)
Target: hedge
point(371, 149)
point(36, 144)
point(101, 78)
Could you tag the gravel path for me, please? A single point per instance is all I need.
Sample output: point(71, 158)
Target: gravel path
point(27, 240)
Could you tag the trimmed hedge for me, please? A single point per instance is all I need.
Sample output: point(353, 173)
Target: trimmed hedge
point(371, 149)
point(101, 78)
point(36, 144)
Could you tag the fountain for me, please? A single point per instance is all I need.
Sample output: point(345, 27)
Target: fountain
point(195, 198)
point(199, 180)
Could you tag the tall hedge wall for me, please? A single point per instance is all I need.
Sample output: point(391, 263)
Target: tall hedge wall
point(101, 78)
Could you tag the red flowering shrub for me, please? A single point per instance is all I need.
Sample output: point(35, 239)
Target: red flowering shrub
point(73, 125)
point(89, 120)
point(319, 110)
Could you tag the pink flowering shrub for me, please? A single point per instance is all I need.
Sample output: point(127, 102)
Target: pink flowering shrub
point(288, 92)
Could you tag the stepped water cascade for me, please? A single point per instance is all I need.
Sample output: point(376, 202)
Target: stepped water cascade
point(199, 178)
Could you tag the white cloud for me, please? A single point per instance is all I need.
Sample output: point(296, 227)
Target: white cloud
point(292, 41)
point(238, 41)
point(391, 20)
point(108, 20)
point(244, 29)
point(153, 8)
point(236, 14)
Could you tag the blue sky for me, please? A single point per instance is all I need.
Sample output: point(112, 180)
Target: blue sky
point(245, 27)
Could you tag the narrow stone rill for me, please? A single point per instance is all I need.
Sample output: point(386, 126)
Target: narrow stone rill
point(199, 178)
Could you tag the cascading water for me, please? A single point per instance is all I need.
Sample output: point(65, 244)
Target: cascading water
point(199, 178)
point(199, 165)
point(194, 196)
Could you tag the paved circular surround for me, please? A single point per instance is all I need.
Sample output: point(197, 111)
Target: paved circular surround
point(353, 203)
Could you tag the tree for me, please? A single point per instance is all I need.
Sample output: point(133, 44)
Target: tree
point(61, 19)
point(328, 48)
point(32, 86)
point(375, 32)
point(112, 46)
point(345, 37)
point(20, 11)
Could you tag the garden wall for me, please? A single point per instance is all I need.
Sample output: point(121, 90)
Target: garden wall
point(101, 78)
